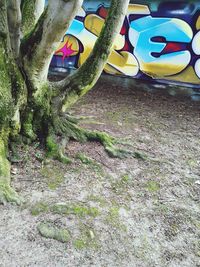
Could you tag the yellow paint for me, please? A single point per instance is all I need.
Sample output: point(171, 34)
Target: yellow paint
point(159, 70)
point(198, 23)
point(94, 24)
point(187, 76)
point(123, 62)
point(138, 10)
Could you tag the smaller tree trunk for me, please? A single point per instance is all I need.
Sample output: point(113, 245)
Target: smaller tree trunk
point(14, 24)
point(7, 107)
point(75, 86)
point(31, 12)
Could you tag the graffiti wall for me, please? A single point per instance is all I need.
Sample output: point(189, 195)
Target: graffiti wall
point(159, 40)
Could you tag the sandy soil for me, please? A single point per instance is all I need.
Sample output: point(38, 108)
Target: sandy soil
point(131, 212)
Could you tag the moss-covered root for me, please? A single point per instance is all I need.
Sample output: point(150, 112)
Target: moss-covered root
point(27, 126)
point(71, 130)
point(55, 149)
point(7, 194)
point(48, 230)
point(109, 144)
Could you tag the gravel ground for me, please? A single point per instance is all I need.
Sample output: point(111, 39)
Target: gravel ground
point(137, 212)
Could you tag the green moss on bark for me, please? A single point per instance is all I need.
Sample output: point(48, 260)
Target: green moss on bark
point(56, 150)
point(33, 38)
point(6, 114)
point(4, 163)
point(28, 15)
point(52, 146)
point(6, 102)
point(27, 127)
point(7, 194)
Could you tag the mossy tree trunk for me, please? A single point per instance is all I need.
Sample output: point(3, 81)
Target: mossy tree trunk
point(31, 11)
point(30, 106)
point(11, 83)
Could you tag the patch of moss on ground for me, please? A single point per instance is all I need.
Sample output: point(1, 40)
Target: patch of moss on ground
point(122, 184)
point(54, 176)
point(102, 201)
point(40, 207)
point(92, 164)
point(197, 248)
point(39, 156)
point(172, 230)
point(27, 155)
point(84, 159)
point(193, 163)
point(142, 250)
point(113, 218)
point(87, 238)
point(197, 224)
point(80, 243)
point(121, 116)
point(79, 210)
point(48, 230)
point(152, 186)
point(76, 209)
point(140, 155)
point(161, 208)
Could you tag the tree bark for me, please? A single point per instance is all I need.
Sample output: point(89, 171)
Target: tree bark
point(31, 12)
point(6, 103)
point(14, 24)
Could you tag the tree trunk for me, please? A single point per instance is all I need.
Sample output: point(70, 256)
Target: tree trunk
point(7, 106)
point(31, 106)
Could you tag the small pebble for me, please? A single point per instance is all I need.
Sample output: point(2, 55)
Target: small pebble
point(14, 171)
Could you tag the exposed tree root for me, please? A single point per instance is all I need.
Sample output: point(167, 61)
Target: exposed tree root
point(7, 194)
point(55, 149)
point(27, 127)
point(109, 143)
point(70, 130)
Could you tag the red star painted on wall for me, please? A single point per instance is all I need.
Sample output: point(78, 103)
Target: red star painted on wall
point(66, 50)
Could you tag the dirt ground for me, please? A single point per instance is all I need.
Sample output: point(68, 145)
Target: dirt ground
point(133, 212)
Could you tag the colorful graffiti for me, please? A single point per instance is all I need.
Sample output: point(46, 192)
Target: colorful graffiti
point(161, 44)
